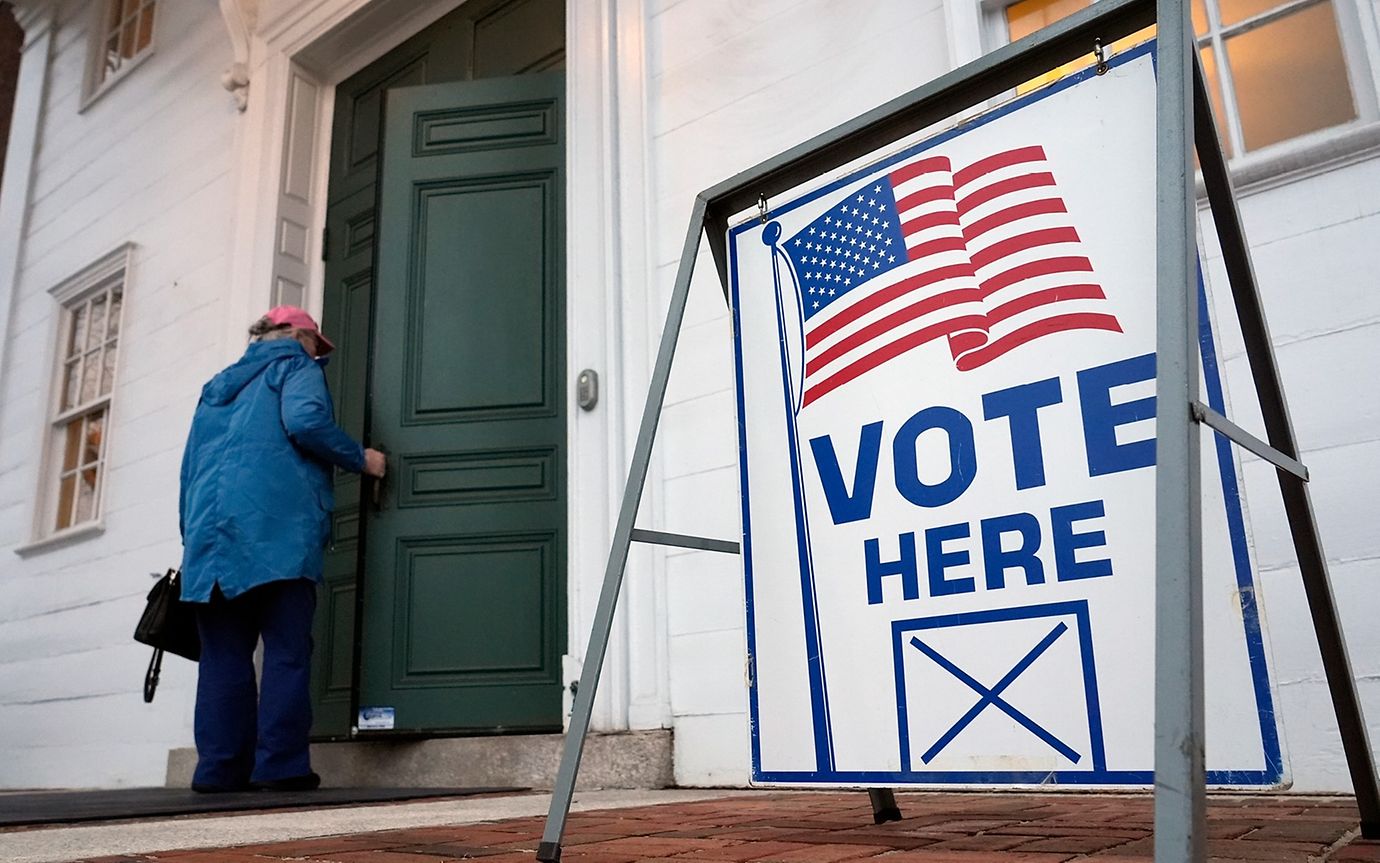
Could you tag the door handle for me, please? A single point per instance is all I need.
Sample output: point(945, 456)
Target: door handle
point(376, 489)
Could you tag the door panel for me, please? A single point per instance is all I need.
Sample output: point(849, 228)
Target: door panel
point(345, 318)
point(464, 581)
point(481, 38)
point(439, 576)
point(481, 299)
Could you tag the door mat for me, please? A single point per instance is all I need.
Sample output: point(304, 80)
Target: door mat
point(60, 807)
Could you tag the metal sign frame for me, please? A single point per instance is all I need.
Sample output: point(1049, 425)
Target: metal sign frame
point(1184, 124)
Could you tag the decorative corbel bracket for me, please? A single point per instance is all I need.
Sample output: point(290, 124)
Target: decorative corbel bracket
point(240, 18)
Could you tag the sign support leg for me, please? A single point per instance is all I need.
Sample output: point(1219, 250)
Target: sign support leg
point(1180, 789)
point(1298, 506)
point(549, 851)
point(884, 806)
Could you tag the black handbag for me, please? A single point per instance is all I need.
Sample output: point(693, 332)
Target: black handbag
point(168, 624)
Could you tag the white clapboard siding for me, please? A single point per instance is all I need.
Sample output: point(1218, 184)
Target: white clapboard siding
point(149, 162)
point(741, 86)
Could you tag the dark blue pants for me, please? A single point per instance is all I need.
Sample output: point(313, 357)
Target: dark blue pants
point(244, 735)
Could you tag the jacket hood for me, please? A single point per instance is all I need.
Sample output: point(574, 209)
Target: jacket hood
point(226, 386)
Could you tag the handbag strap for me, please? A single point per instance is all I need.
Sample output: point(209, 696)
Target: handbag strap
point(151, 676)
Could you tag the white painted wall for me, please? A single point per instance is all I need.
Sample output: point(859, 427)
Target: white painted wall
point(733, 84)
point(149, 163)
point(1318, 264)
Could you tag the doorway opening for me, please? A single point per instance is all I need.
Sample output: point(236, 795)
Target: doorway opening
point(443, 609)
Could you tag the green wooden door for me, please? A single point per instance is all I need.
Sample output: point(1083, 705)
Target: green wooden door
point(479, 39)
point(464, 587)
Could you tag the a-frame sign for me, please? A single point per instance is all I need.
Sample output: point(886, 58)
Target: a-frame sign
point(837, 338)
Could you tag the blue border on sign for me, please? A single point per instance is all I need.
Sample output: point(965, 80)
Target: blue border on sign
point(1272, 756)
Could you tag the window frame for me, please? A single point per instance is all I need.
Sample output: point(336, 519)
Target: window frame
point(1311, 152)
point(67, 296)
point(93, 85)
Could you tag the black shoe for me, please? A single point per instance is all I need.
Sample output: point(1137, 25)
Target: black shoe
point(309, 782)
point(205, 788)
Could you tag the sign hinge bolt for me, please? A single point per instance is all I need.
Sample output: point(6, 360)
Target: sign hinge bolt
point(1101, 54)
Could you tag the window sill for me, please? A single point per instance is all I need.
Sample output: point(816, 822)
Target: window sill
point(61, 539)
point(1302, 159)
point(110, 83)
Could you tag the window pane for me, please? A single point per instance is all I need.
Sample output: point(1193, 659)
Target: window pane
point(127, 38)
point(131, 7)
point(71, 439)
point(113, 320)
point(70, 382)
point(66, 492)
point(1290, 77)
point(91, 440)
point(1236, 11)
point(112, 57)
point(1027, 16)
point(108, 369)
point(86, 495)
point(90, 377)
point(1199, 17)
point(96, 330)
point(1219, 112)
point(145, 29)
point(112, 21)
point(76, 339)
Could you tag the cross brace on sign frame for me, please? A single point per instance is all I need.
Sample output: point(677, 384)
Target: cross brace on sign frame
point(1184, 125)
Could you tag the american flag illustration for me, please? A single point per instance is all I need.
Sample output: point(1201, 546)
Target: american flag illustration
point(982, 256)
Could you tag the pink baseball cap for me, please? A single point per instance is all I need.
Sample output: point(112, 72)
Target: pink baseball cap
point(295, 317)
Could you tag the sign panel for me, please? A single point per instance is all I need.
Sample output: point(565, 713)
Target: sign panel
point(945, 378)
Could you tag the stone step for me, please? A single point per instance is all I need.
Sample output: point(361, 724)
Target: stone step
point(633, 759)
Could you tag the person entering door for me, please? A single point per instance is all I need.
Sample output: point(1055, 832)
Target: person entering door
point(254, 514)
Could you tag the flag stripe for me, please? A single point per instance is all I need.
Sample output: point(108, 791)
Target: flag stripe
point(881, 297)
point(1047, 267)
point(1044, 327)
point(1022, 242)
point(927, 195)
point(996, 162)
point(934, 247)
point(1042, 207)
point(1043, 298)
point(966, 341)
point(975, 199)
point(890, 351)
point(891, 321)
point(931, 165)
point(930, 220)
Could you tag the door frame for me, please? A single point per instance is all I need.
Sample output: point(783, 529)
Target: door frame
point(295, 53)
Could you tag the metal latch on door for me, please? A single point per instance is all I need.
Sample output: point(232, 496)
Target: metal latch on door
point(376, 487)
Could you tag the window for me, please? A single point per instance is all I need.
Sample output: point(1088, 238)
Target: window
point(1276, 71)
point(122, 34)
point(92, 304)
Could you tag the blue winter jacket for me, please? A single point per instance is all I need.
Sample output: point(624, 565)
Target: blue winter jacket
point(256, 475)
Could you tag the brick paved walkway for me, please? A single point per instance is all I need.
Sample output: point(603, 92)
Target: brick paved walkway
point(837, 828)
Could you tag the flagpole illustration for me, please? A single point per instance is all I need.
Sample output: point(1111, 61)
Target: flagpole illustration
point(793, 372)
